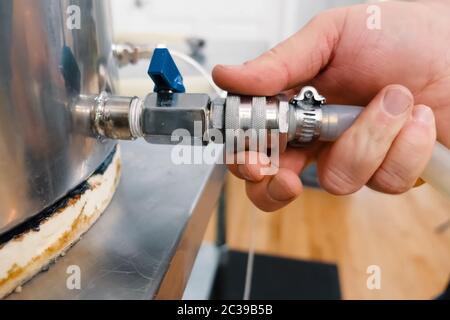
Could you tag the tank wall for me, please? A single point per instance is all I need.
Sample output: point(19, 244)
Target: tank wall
point(50, 52)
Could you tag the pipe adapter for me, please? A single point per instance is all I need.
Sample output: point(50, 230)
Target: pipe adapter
point(162, 118)
point(106, 116)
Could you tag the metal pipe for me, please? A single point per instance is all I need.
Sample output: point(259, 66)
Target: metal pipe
point(158, 116)
point(107, 116)
point(128, 53)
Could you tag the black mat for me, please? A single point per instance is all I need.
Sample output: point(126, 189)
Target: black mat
point(276, 278)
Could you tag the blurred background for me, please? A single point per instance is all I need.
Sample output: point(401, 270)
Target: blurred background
point(335, 239)
point(233, 31)
point(265, 21)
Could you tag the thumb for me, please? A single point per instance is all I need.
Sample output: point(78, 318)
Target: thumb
point(291, 63)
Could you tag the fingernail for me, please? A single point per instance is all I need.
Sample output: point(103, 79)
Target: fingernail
point(396, 101)
point(423, 114)
point(279, 191)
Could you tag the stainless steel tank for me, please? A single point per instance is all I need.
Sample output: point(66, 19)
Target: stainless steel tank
point(50, 52)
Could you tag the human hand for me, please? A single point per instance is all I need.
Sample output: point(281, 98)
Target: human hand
point(391, 142)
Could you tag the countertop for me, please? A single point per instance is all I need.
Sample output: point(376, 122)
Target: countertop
point(145, 243)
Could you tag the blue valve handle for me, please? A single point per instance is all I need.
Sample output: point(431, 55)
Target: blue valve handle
point(164, 72)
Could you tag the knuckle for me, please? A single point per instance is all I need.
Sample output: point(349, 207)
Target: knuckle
point(392, 180)
point(369, 143)
point(327, 40)
point(284, 71)
point(338, 181)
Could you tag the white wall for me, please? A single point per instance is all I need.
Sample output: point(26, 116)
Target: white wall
point(267, 20)
point(297, 13)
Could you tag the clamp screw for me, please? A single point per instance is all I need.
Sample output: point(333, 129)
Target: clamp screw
point(308, 97)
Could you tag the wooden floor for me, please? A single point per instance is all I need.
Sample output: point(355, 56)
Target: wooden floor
point(400, 234)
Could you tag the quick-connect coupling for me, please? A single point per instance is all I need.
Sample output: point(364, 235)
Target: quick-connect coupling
point(259, 119)
point(297, 122)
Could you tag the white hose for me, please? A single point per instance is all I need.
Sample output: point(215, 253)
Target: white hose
point(197, 66)
point(338, 118)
